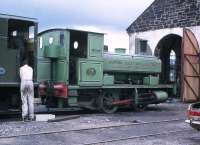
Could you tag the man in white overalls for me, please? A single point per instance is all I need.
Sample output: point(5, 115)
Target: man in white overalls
point(27, 91)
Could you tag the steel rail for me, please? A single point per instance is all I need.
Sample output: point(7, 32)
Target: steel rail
point(91, 128)
point(137, 137)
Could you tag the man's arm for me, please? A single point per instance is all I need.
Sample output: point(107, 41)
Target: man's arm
point(32, 72)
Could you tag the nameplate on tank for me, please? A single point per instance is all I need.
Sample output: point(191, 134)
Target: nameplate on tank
point(2, 71)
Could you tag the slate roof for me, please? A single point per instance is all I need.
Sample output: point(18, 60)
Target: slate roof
point(167, 14)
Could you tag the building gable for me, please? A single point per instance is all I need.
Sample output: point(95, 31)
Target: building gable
point(167, 14)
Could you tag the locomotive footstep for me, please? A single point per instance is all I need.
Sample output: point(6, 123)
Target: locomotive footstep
point(44, 117)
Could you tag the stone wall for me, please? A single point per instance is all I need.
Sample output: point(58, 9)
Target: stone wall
point(163, 14)
point(152, 41)
point(157, 36)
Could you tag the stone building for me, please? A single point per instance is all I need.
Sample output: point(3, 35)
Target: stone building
point(159, 31)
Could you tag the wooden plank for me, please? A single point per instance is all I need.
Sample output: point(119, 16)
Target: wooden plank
point(192, 65)
point(190, 78)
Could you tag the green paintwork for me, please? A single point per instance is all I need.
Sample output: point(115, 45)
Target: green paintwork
point(95, 45)
point(11, 66)
point(136, 101)
point(140, 65)
point(43, 69)
point(58, 56)
point(43, 64)
point(175, 89)
point(122, 86)
point(161, 96)
point(48, 50)
point(9, 53)
point(72, 101)
point(8, 57)
point(151, 80)
point(120, 50)
point(4, 27)
point(90, 73)
point(54, 55)
point(60, 103)
point(108, 79)
point(51, 51)
point(62, 71)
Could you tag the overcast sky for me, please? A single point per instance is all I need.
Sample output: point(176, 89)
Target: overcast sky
point(108, 16)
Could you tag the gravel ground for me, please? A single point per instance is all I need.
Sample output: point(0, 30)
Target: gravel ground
point(186, 138)
point(164, 111)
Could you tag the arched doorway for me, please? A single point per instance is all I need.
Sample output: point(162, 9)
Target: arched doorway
point(169, 51)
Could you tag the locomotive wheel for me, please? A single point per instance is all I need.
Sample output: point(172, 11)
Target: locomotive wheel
point(105, 102)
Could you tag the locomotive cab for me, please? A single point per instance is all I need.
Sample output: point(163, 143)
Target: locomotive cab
point(78, 49)
point(18, 42)
point(68, 59)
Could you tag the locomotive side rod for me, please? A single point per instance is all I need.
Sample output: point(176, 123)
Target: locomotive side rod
point(123, 102)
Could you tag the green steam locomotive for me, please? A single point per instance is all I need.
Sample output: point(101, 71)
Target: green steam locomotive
point(72, 69)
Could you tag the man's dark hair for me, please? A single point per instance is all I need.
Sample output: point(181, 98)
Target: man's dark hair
point(25, 61)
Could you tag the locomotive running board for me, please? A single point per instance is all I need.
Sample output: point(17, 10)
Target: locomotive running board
point(120, 86)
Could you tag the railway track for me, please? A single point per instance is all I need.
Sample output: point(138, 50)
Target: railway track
point(16, 116)
point(96, 128)
point(137, 137)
